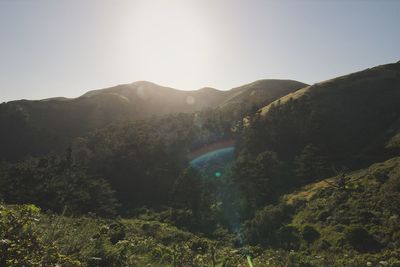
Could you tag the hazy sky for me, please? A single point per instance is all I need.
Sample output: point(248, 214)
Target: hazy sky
point(65, 48)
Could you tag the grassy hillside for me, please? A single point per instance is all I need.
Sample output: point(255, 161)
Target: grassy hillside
point(352, 120)
point(254, 93)
point(324, 226)
point(300, 185)
point(356, 225)
point(363, 218)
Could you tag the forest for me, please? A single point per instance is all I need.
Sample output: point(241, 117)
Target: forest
point(274, 174)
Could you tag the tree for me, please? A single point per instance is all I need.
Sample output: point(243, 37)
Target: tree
point(311, 164)
point(54, 184)
point(257, 178)
point(187, 190)
point(193, 199)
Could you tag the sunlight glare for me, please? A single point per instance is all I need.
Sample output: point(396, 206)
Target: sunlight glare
point(168, 40)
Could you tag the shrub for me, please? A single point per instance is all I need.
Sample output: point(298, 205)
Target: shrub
point(360, 239)
point(310, 234)
point(262, 229)
point(323, 215)
point(20, 243)
point(288, 237)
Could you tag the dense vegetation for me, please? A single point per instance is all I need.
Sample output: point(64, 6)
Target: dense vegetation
point(300, 189)
point(42, 126)
point(316, 226)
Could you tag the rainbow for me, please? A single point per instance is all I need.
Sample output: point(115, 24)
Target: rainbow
point(215, 151)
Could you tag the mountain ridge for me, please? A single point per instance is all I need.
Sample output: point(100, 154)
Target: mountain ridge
point(59, 120)
point(355, 116)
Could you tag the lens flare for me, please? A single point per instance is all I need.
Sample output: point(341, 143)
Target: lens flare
point(213, 159)
point(218, 152)
point(249, 261)
point(221, 153)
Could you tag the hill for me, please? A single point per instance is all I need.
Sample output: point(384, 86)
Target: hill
point(144, 99)
point(355, 225)
point(314, 226)
point(311, 180)
point(352, 120)
point(256, 94)
point(38, 127)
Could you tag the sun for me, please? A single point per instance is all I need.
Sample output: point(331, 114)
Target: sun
point(168, 40)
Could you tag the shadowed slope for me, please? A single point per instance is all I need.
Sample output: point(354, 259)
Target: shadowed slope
point(350, 118)
point(37, 127)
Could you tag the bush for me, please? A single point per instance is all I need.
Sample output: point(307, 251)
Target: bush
point(20, 243)
point(310, 234)
point(288, 237)
point(323, 215)
point(262, 229)
point(360, 239)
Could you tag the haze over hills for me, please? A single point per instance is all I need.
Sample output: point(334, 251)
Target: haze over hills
point(51, 124)
point(147, 99)
point(342, 112)
point(143, 99)
point(275, 169)
point(275, 172)
point(261, 91)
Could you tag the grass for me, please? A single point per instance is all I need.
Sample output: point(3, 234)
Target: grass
point(148, 241)
point(306, 193)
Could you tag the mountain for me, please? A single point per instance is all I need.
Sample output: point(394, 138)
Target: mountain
point(352, 120)
point(256, 94)
point(357, 221)
point(143, 99)
point(37, 127)
point(311, 179)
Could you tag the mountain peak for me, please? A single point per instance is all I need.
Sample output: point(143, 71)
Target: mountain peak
point(208, 89)
point(146, 83)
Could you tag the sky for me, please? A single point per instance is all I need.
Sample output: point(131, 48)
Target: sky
point(64, 48)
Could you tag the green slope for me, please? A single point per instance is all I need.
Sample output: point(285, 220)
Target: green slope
point(370, 202)
point(262, 92)
point(353, 119)
point(328, 226)
point(323, 226)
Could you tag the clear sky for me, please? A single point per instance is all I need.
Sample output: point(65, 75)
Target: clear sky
point(65, 48)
